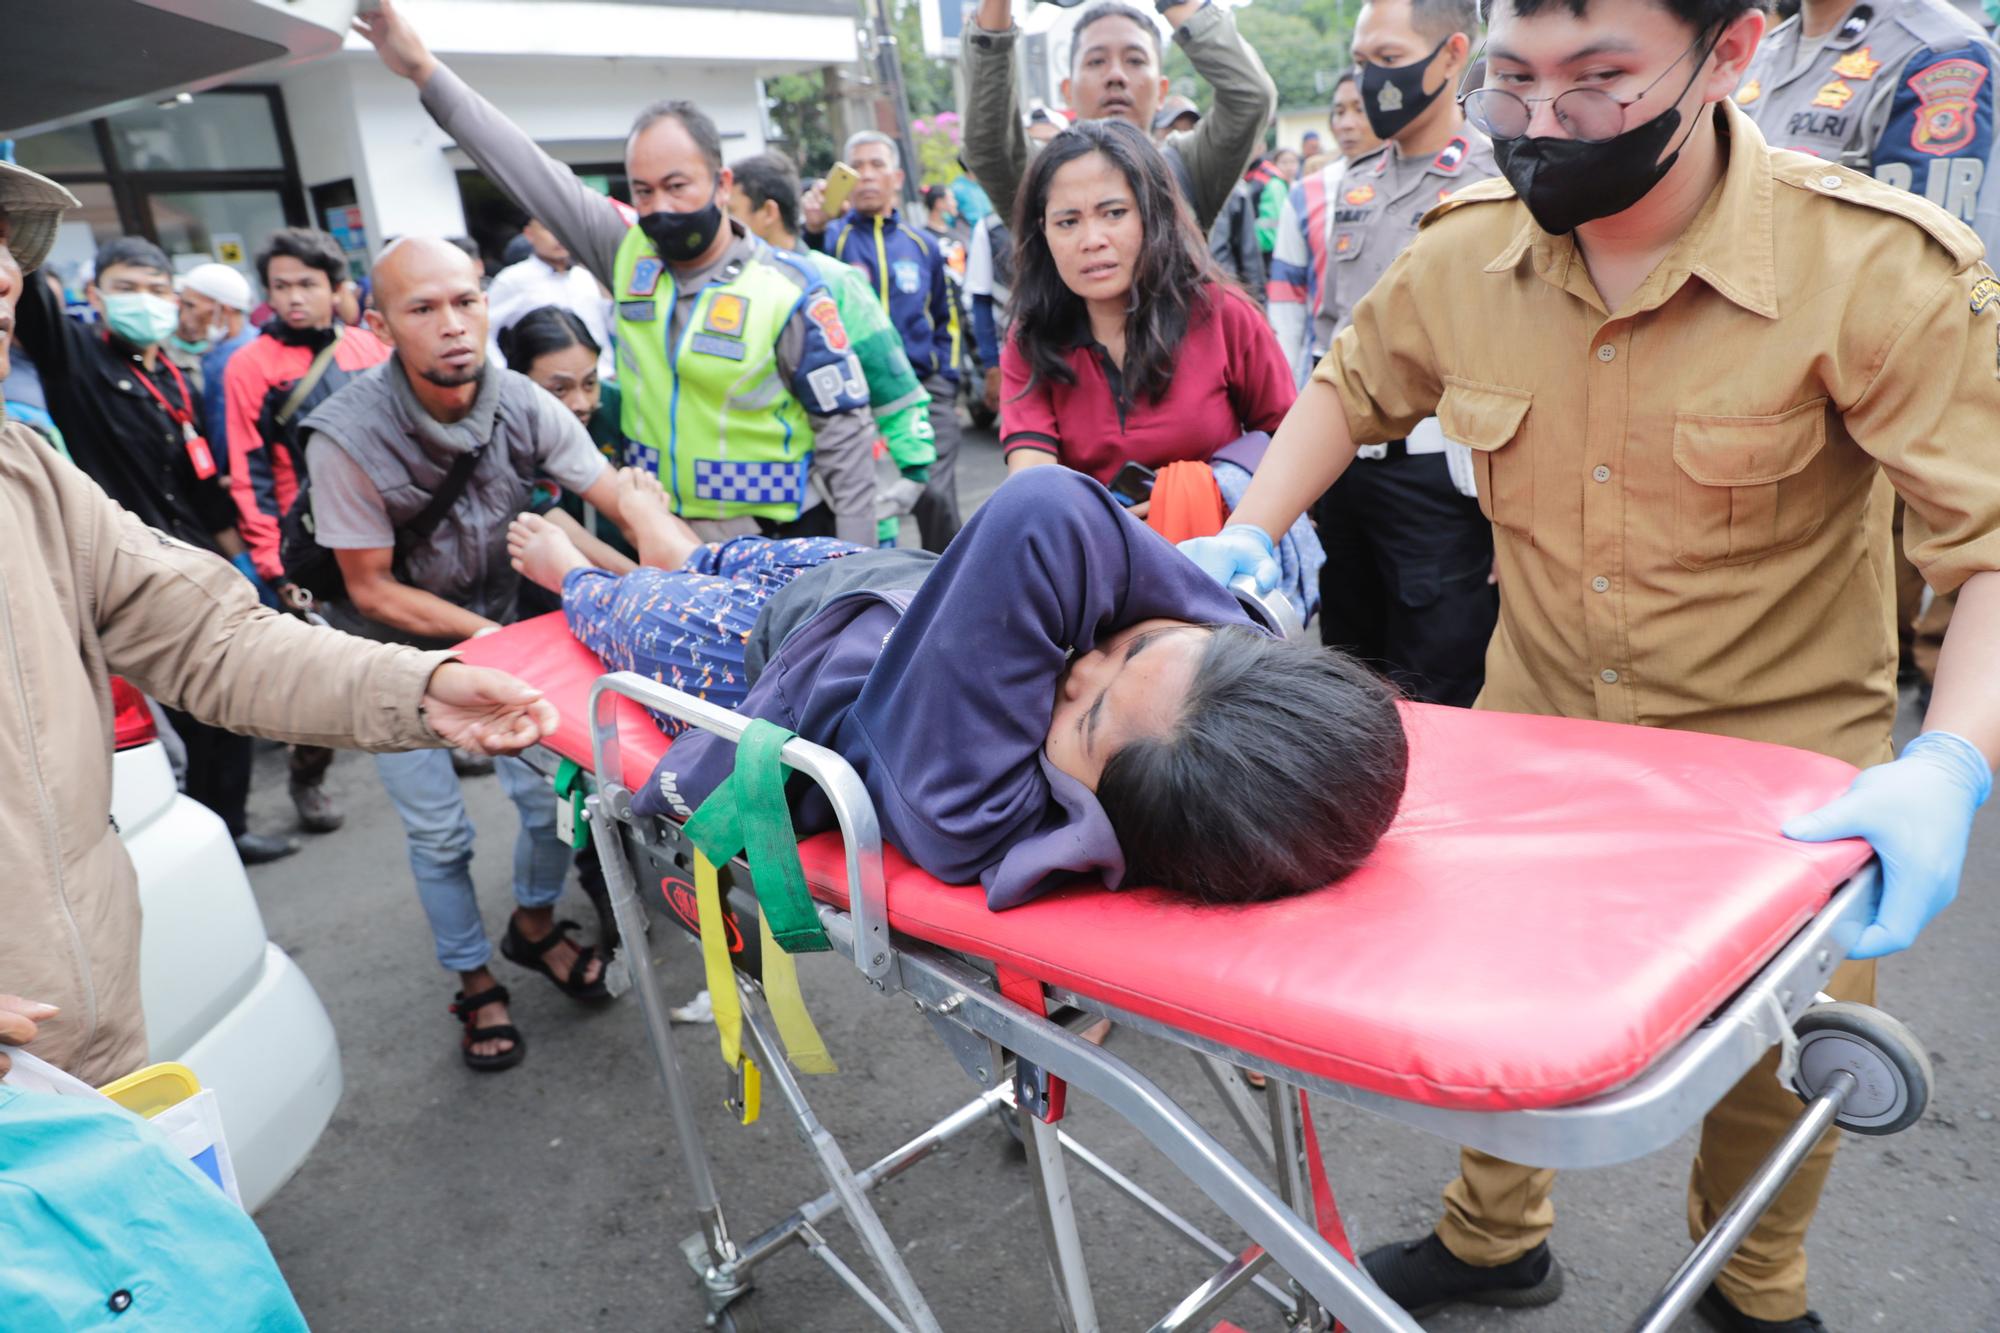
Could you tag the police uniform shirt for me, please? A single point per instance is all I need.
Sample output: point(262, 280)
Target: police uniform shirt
point(1901, 90)
point(1376, 208)
point(1687, 496)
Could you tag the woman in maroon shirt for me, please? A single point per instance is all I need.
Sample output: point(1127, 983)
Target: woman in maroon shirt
point(1127, 345)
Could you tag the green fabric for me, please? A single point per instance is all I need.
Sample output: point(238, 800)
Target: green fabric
point(901, 406)
point(1269, 205)
point(720, 395)
point(603, 425)
point(748, 814)
point(569, 788)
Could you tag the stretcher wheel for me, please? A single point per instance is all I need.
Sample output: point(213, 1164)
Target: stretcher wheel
point(1890, 1068)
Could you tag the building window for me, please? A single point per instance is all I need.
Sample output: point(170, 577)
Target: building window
point(209, 178)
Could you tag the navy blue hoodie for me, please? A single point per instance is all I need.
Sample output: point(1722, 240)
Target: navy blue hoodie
point(941, 697)
point(906, 267)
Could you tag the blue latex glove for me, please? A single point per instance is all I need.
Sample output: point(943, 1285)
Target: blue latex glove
point(1239, 549)
point(1917, 815)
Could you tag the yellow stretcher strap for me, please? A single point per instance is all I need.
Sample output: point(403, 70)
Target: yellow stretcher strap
point(804, 1047)
point(722, 995)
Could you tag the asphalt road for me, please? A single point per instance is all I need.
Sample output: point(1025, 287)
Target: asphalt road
point(551, 1197)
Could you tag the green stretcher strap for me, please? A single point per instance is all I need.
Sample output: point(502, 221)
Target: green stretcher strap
point(748, 814)
point(569, 786)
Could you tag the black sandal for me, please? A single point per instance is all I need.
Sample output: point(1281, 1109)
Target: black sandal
point(531, 954)
point(463, 1007)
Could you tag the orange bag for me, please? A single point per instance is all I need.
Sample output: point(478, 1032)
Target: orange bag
point(1186, 502)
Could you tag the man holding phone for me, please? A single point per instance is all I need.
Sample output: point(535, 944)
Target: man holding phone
point(906, 268)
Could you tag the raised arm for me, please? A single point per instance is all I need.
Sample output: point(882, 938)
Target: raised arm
point(581, 218)
point(1218, 150)
point(996, 148)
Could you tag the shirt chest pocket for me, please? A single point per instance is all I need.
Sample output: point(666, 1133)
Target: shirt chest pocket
point(1747, 487)
point(1487, 419)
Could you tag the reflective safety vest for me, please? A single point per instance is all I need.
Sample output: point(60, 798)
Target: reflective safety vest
point(713, 415)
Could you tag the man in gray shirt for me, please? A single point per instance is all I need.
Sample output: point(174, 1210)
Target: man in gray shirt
point(1115, 71)
point(437, 418)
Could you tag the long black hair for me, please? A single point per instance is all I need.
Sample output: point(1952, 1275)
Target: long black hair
point(1283, 773)
point(1170, 282)
point(545, 329)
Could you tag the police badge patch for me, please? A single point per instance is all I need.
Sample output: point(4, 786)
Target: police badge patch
point(645, 277)
point(1836, 95)
point(1749, 92)
point(1947, 118)
point(1857, 65)
point(1984, 293)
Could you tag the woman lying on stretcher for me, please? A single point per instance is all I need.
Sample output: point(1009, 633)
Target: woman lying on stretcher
point(1187, 747)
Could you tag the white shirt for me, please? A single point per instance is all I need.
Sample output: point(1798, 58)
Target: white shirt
point(532, 284)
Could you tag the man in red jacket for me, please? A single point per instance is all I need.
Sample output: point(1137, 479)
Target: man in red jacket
point(269, 387)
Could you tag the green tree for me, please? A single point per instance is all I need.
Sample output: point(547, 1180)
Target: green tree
point(926, 82)
point(1301, 42)
point(798, 111)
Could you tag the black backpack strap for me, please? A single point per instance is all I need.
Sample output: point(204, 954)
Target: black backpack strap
point(444, 497)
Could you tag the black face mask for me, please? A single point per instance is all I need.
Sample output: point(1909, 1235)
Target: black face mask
point(1567, 182)
point(679, 237)
point(1392, 98)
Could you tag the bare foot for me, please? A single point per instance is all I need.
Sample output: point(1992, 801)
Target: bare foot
point(665, 541)
point(540, 552)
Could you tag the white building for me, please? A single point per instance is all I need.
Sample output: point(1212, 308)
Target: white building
point(246, 115)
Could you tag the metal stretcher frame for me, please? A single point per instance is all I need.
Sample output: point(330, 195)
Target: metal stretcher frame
point(986, 1032)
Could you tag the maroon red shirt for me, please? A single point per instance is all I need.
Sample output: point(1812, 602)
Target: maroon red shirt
point(1230, 378)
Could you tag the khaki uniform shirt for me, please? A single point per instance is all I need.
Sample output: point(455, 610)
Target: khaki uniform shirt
point(87, 590)
point(1690, 516)
point(1374, 214)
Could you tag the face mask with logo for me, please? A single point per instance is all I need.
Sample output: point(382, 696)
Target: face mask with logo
point(141, 318)
point(1568, 182)
point(1393, 97)
point(679, 237)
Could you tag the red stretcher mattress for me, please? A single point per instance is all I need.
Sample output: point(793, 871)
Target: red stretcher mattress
point(1558, 904)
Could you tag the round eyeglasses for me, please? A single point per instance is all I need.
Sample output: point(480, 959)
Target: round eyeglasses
point(1589, 115)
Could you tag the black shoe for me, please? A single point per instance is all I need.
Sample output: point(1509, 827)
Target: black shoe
point(469, 765)
point(317, 811)
point(1422, 1276)
point(256, 849)
point(1720, 1314)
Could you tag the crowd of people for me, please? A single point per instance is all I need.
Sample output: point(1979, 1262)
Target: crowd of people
point(1543, 380)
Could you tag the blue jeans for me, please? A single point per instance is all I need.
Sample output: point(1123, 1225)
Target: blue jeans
point(426, 794)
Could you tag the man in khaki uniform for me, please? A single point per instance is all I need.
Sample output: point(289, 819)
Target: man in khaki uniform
point(88, 591)
point(1693, 372)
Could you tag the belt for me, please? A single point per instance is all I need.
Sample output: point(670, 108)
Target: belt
point(1376, 453)
point(1402, 448)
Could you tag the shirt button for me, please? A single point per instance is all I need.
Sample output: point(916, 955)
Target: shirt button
point(120, 1302)
point(1830, 181)
point(1606, 352)
point(1608, 676)
point(1600, 473)
point(1600, 584)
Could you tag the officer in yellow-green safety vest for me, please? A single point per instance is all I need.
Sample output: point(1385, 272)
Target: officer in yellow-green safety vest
point(739, 385)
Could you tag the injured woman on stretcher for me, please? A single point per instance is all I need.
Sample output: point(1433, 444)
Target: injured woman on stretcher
point(1060, 696)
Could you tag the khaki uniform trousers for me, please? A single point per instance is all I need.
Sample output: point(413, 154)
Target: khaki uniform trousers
point(1497, 1211)
point(1919, 628)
